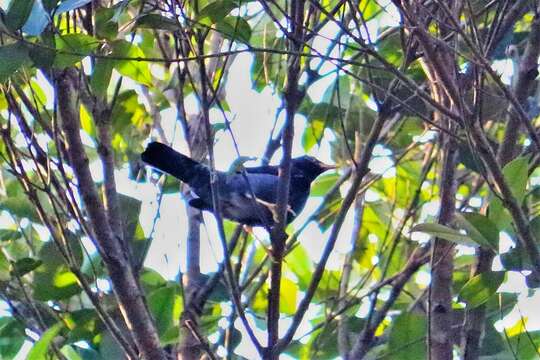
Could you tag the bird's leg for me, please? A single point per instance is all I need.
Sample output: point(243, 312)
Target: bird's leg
point(273, 208)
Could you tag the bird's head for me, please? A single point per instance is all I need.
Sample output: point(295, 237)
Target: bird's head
point(310, 167)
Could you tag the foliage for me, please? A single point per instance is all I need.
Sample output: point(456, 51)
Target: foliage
point(381, 114)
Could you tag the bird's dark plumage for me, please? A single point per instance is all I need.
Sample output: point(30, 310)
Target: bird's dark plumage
point(234, 191)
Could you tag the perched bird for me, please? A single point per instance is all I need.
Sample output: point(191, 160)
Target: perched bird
point(235, 193)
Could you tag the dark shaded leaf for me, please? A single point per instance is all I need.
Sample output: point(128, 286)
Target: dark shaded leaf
point(106, 24)
point(25, 265)
point(12, 337)
point(17, 13)
point(7, 234)
point(234, 28)
point(14, 56)
point(480, 229)
point(72, 48)
point(407, 337)
point(215, 11)
point(101, 77)
point(157, 22)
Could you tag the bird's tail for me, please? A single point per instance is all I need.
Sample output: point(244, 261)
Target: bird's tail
point(174, 163)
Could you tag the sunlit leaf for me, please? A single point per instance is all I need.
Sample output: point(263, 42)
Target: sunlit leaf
point(87, 122)
point(4, 267)
point(41, 347)
point(299, 263)
point(53, 280)
point(132, 65)
point(161, 303)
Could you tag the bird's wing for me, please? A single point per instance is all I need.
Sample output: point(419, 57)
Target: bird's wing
point(265, 169)
point(264, 186)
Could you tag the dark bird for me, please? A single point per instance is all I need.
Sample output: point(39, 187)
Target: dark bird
point(235, 189)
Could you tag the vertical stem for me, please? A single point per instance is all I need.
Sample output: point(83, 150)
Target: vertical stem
point(124, 283)
point(292, 97)
point(442, 262)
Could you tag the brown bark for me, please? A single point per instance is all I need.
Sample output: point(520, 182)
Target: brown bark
point(124, 283)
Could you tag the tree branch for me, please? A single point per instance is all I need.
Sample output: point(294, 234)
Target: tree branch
point(123, 281)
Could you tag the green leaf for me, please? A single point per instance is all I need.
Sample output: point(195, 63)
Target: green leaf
point(313, 134)
point(87, 122)
point(299, 263)
point(12, 337)
point(41, 347)
point(109, 348)
point(156, 22)
point(161, 303)
point(7, 234)
point(83, 325)
point(72, 48)
point(70, 353)
point(106, 25)
point(14, 56)
point(445, 232)
point(215, 11)
point(101, 77)
point(323, 184)
point(17, 14)
point(43, 52)
point(25, 265)
point(53, 280)
point(288, 296)
point(481, 287)
point(49, 4)
point(407, 337)
point(133, 67)
point(4, 267)
point(234, 28)
point(516, 175)
point(480, 229)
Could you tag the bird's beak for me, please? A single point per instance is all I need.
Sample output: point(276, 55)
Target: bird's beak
point(328, 166)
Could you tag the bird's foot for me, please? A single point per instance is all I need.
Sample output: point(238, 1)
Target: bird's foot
point(273, 209)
